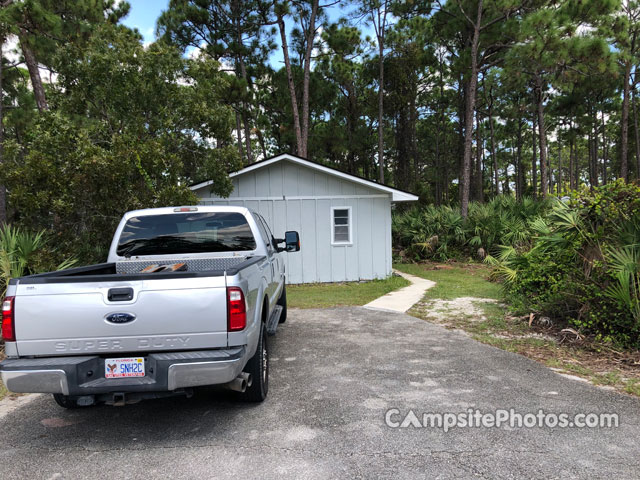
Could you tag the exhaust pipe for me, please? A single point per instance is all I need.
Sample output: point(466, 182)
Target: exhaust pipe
point(240, 383)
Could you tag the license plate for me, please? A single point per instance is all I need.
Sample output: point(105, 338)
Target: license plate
point(123, 367)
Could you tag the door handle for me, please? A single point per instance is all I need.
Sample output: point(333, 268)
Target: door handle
point(120, 294)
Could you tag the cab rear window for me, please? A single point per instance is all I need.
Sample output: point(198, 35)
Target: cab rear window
point(179, 233)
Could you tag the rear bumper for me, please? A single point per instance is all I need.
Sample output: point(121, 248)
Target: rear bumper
point(84, 375)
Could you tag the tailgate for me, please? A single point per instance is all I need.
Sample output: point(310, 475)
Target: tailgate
point(162, 314)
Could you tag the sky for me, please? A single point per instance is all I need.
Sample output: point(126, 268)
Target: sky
point(144, 13)
point(143, 16)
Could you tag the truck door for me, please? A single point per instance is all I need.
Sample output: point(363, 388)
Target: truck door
point(278, 263)
point(271, 273)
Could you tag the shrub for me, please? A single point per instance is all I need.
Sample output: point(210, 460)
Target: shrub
point(24, 253)
point(583, 264)
point(577, 262)
point(440, 233)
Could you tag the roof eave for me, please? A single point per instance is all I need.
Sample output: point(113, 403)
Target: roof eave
point(396, 195)
point(403, 197)
point(200, 185)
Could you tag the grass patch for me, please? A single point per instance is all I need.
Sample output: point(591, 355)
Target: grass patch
point(455, 281)
point(515, 345)
point(580, 370)
point(323, 295)
point(633, 387)
point(609, 379)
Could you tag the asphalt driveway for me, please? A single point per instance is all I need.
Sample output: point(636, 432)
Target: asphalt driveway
point(334, 374)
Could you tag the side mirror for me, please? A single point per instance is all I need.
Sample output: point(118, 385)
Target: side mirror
point(291, 242)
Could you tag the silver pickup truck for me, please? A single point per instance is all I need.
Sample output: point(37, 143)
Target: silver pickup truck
point(188, 298)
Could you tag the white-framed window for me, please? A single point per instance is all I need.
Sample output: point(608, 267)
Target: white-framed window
point(341, 226)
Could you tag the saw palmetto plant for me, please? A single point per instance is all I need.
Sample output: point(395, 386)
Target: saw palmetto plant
point(18, 249)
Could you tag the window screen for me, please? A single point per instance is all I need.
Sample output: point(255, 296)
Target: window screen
point(341, 225)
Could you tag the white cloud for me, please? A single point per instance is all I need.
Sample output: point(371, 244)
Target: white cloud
point(323, 48)
point(195, 52)
point(11, 49)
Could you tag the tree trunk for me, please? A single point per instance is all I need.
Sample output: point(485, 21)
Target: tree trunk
point(468, 115)
point(506, 189)
point(483, 168)
point(494, 158)
point(445, 174)
point(605, 150)
point(590, 143)
point(479, 183)
point(551, 184)
point(34, 71)
point(438, 184)
point(576, 166)
point(311, 36)
point(351, 118)
point(3, 190)
point(261, 143)
point(292, 88)
point(519, 169)
point(595, 149)
point(572, 185)
point(381, 110)
point(559, 176)
point(439, 181)
point(380, 26)
point(247, 134)
point(462, 101)
point(534, 161)
point(637, 134)
point(543, 137)
point(403, 146)
point(413, 139)
point(239, 134)
point(624, 130)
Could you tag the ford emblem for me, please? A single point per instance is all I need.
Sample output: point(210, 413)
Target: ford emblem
point(120, 317)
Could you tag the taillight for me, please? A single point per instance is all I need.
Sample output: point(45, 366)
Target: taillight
point(236, 309)
point(8, 323)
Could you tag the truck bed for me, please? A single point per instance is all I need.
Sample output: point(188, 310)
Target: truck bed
point(130, 271)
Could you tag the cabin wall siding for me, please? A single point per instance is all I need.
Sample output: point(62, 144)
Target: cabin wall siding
point(294, 197)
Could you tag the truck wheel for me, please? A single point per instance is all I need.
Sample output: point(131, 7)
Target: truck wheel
point(282, 301)
point(258, 368)
point(65, 401)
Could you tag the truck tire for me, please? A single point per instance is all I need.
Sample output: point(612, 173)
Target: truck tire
point(258, 368)
point(282, 301)
point(65, 401)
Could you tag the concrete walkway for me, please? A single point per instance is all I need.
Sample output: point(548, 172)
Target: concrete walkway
point(402, 300)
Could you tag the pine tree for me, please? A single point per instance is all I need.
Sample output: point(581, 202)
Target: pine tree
point(229, 31)
point(44, 25)
point(623, 28)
